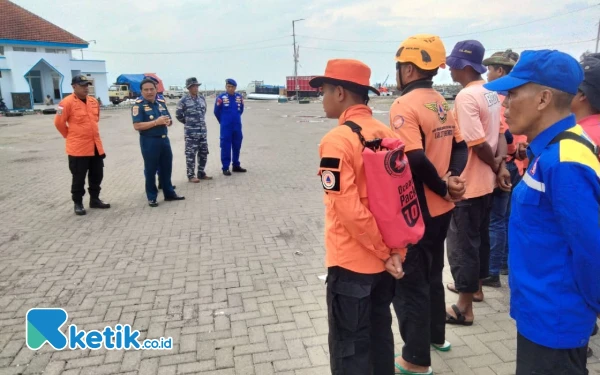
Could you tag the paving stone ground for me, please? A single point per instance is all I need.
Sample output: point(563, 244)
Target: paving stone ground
point(231, 273)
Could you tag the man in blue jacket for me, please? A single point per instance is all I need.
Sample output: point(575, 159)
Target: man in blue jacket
point(229, 107)
point(554, 227)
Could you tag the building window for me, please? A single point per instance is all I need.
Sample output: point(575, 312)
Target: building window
point(56, 50)
point(24, 49)
point(1, 50)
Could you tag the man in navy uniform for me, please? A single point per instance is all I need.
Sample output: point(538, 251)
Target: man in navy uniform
point(229, 107)
point(161, 97)
point(191, 111)
point(151, 118)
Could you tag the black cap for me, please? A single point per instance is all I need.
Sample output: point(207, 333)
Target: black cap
point(81, 80)
point(191, 82)
point(591, 79)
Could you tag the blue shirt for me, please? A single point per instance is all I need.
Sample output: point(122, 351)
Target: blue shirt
point(229, 109)
point(145, 111)
point(554, 241)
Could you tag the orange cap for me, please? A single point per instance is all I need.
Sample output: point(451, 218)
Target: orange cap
point(345, 71)
point(424, 50)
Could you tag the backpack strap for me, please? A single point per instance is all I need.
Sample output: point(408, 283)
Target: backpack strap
point(373, 144)
point(356, 128)
point(577, 138)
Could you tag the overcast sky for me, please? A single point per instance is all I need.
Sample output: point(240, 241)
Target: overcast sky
point(252, 39)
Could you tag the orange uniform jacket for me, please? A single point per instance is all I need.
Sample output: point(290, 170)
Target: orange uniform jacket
point(421, 120)
point(78, 123)
point(352, 239)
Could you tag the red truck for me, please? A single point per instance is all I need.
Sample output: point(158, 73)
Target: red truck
point(304, 89)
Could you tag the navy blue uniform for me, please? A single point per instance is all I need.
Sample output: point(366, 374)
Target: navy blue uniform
point(156, 147)
point(228, 111)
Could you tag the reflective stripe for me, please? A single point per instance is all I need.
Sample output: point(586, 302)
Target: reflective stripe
point(534, 184)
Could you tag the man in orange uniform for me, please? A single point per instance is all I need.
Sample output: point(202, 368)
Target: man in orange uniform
point(77, 120)
point(437, 155)
point(478, 113)
point(359, 290)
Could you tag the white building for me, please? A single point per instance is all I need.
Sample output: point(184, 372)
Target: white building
point(36, 60)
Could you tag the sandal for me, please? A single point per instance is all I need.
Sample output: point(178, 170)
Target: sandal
point(460, 318)
point(451, 287)
point(446, 346)
point(402, 370)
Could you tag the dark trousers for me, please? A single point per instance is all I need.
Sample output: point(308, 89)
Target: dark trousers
point(498, 230)
point(93, 167)
point(469, 243)
point(158, 158)
point(534, 359)
point(231, 144)
point(419, 297)
point(361, 341)
point(515, 178)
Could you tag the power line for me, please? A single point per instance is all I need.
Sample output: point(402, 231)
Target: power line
point(215, 49)
point(544, 45)
point(456, 35)
point(487, 49)
point(524, 23)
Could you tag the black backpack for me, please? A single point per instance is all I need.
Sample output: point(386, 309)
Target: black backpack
point(577, 138)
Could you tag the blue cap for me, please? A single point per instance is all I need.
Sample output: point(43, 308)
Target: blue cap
point(550, 68)
point(467, 53)
point(231, 81)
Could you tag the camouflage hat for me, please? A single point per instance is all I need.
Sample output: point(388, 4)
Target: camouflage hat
point(508, 58)
point(191, 82)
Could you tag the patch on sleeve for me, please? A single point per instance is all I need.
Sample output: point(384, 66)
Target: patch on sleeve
point(397, 122)
point(330, 180)
point(219, 101)
point(135, 110)
point(330, 163)
point(59, 110)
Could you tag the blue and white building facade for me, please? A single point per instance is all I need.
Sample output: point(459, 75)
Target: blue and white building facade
point(31, 70)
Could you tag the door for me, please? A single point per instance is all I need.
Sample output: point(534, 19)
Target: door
point(36, 87)
point(56, 87)
point(35, 84)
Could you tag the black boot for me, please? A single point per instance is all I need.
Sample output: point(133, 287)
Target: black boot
point(238, 169)
point(97, 203)
point(79, 210)
point(492, 281)
point(174, 198)
point(227, 173)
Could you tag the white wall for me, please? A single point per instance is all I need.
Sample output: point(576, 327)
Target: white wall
point(6, 88)
point(88, 65)
point(21, 62)
point(100, 85)
point(3, 63)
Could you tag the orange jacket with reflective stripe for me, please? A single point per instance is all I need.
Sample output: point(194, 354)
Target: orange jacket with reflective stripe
point(352, 239)
point(78, 123)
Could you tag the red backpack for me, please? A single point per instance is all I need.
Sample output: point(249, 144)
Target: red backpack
point(391, 191)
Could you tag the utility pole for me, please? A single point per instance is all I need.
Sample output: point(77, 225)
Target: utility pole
point(296, 57)
point(598, 37)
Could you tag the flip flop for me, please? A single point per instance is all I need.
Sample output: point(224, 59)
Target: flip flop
point(460, 318)
point(452, 288)
point(402, 370)
point(446, 346)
